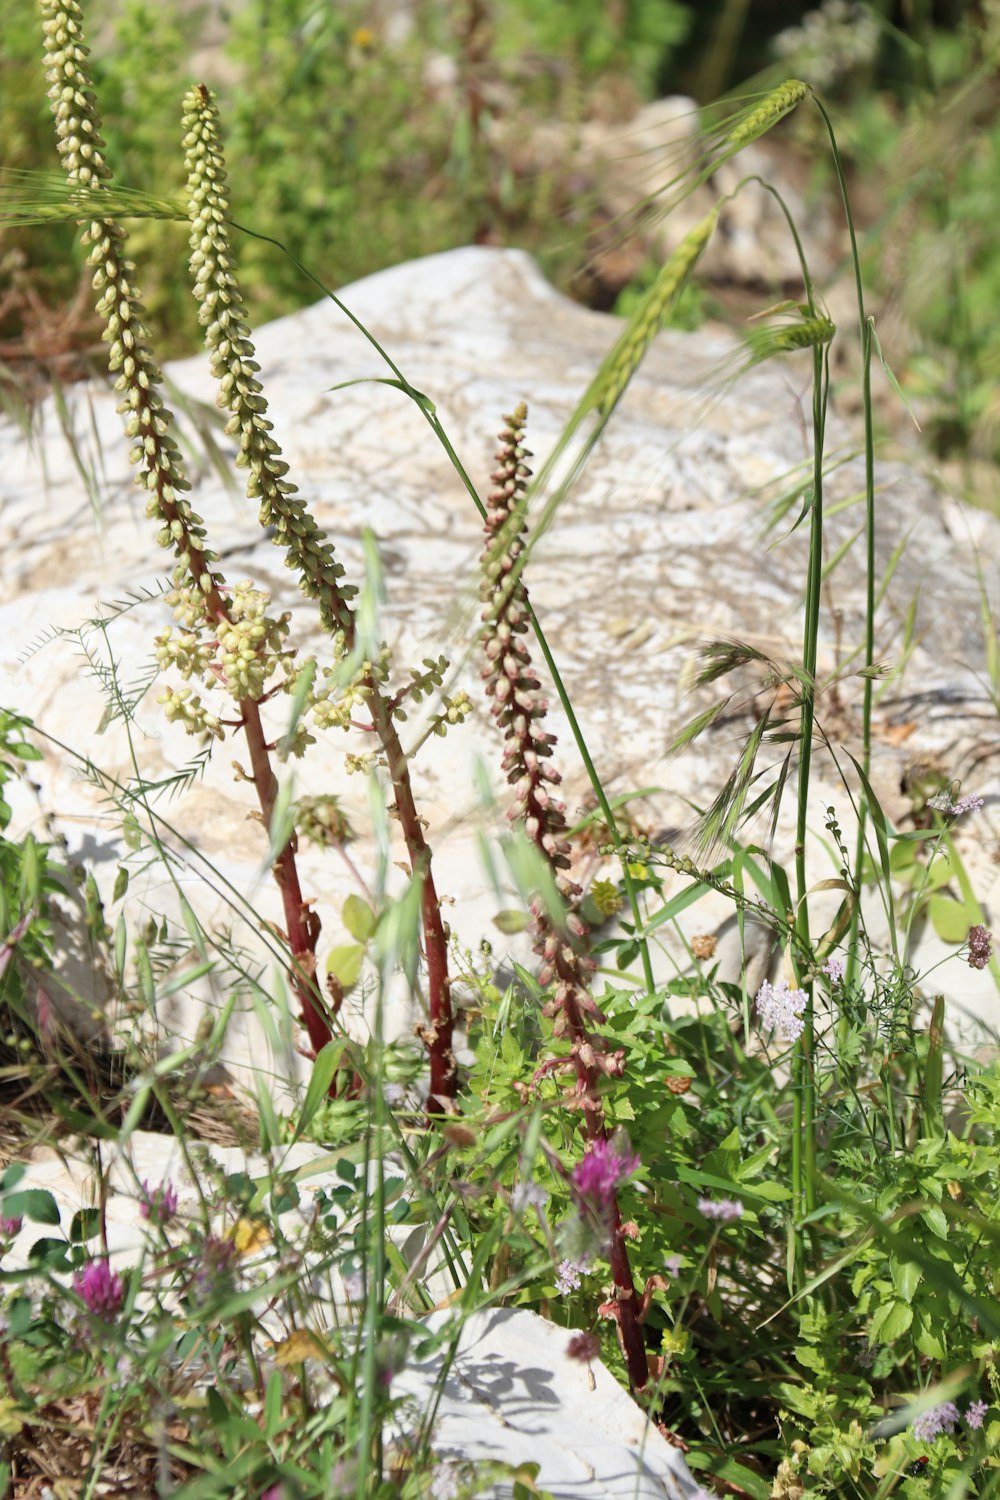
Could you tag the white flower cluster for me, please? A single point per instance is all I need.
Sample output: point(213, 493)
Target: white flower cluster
point(780, 1009)
point(830, 44)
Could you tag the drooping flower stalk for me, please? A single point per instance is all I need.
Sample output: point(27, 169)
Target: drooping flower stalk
point(559, 938)
point(307, 550)
point(200, 596)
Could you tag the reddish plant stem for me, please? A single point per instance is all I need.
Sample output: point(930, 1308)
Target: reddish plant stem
point(437, 1034)
point(302, 925)
point(588, 1079)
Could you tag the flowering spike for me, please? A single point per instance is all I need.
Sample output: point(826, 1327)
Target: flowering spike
point(227, 338)
point(780, 102)
point(518, 708)
point(147, 421)
point(630, 350)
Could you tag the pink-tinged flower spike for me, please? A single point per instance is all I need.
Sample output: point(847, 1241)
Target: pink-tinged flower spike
point(518, 708)
point(101, 1289)
point(603, 1166)
point(980, 942)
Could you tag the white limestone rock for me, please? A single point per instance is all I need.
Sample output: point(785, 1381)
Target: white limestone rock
point(663, 542)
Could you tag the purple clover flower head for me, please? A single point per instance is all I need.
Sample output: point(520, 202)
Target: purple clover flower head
point(780, 1009)
point(724, 1209)
point(937, 1419)
point(975, 1414)
point(213, 1272)
point(10, 1227)
point(980, 941)
point(835, 969)
point(584, 1347)
point(602, 1168)
point(101, 1289)
point(160, 1204)
point(275, 1492)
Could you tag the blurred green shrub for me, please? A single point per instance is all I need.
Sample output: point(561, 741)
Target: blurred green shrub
point(919, 126)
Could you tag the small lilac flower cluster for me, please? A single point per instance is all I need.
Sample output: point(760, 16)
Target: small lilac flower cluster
point(945, 1419)
point(569, 1273)
point(980, 943)
point(972, 802)
point(724, 1209)
point(780, 1009)
point(835, 969)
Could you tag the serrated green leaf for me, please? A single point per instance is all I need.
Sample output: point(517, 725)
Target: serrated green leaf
point(935, 1220)
point(890, 1322)
point(906, 1276)
point(31, 1203)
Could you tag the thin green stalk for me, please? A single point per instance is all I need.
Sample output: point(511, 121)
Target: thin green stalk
point(373, 1272)
point(804, 1095)
point(866, 392)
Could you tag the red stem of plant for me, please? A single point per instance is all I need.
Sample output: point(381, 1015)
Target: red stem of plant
point(437, 1035)
point(302, 925)
point(630, 1328)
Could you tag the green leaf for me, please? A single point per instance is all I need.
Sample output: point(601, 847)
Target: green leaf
point(906, 1276)
point(273, 1404)
point(85, 1226)
point(891, 1322)
point(744, 1480)
point(326, 1064)
point(935, 1220)
point(51, 1254)
point(344, 963)
point(31, 1203)
point(358, 918)
point(511, 921)
point(424, 402)
point(951, 919)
